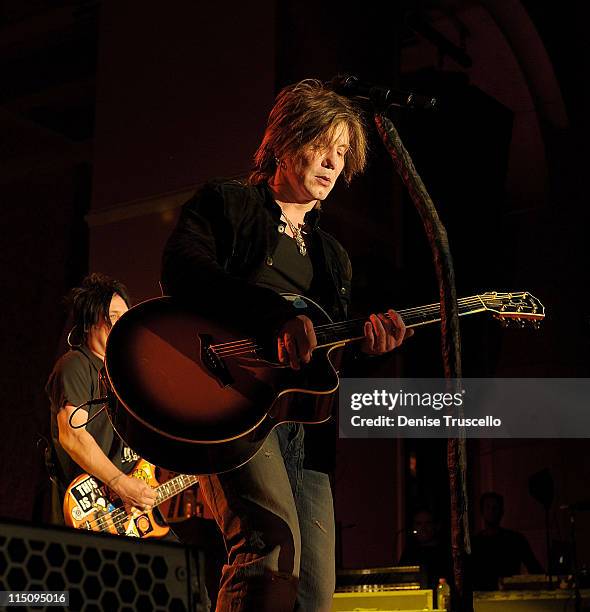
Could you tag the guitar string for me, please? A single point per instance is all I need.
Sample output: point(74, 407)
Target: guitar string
point(253, 348)
point(428, 309)
point(118, 517)
point(464, 302)
point(341, 326)
point(115, 515)
point(250, 344)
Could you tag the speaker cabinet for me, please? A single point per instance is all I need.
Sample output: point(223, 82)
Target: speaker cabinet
point(101, 572)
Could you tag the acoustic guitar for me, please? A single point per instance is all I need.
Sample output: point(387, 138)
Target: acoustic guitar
point(195, 397)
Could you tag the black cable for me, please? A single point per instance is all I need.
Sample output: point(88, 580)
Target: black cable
point(100, 400)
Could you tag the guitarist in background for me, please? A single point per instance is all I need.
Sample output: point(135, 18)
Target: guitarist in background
point(235, 248)
point(96, 448)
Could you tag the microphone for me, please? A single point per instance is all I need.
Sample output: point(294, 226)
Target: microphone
point(382, 97)
point(94, 402)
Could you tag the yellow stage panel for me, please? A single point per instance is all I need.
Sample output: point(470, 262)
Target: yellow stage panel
point(385, 601)
point(528, 601)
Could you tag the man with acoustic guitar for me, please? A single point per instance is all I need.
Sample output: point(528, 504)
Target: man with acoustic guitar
point(94, 447)
point(236, 247)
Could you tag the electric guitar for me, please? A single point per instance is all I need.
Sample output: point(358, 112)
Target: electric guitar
point(195, 397)
point(90, 504)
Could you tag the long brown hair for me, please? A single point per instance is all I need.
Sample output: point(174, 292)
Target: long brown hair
point(306, 114)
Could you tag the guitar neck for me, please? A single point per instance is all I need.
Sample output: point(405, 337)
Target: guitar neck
point(174, 486)
point(350, 331)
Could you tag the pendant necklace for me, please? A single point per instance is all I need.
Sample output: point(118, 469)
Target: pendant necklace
point(297, 235)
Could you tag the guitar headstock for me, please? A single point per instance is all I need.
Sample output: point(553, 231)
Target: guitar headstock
point(518, 309)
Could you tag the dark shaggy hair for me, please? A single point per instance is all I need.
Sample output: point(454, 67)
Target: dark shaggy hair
point(90, 303)
point(306, 114)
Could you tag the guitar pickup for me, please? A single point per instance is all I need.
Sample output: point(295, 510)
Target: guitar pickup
point(211, 360)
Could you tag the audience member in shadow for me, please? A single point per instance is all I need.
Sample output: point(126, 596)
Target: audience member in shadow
point(498, 552)
point(426, 547)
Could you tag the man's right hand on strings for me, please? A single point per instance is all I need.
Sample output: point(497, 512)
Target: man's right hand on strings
point(134, 492)
point(296, 341)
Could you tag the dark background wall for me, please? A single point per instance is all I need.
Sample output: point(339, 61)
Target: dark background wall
point(113, 113)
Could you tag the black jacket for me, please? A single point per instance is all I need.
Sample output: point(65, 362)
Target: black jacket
point(225, 233)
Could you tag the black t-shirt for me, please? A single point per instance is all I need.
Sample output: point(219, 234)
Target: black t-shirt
point(500, 555)
point(287, 271)
point(291, 272)
point(73, 381)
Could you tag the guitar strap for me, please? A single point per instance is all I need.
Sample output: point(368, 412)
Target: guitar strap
point(56, 480)
point(119, 452)
point(52, 464)
point(93, 368)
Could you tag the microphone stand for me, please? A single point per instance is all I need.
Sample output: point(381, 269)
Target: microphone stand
point(451, 349)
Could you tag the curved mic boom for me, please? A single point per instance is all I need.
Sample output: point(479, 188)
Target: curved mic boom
point(382, 97)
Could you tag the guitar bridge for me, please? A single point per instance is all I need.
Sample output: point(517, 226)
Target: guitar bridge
point(211, 360)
